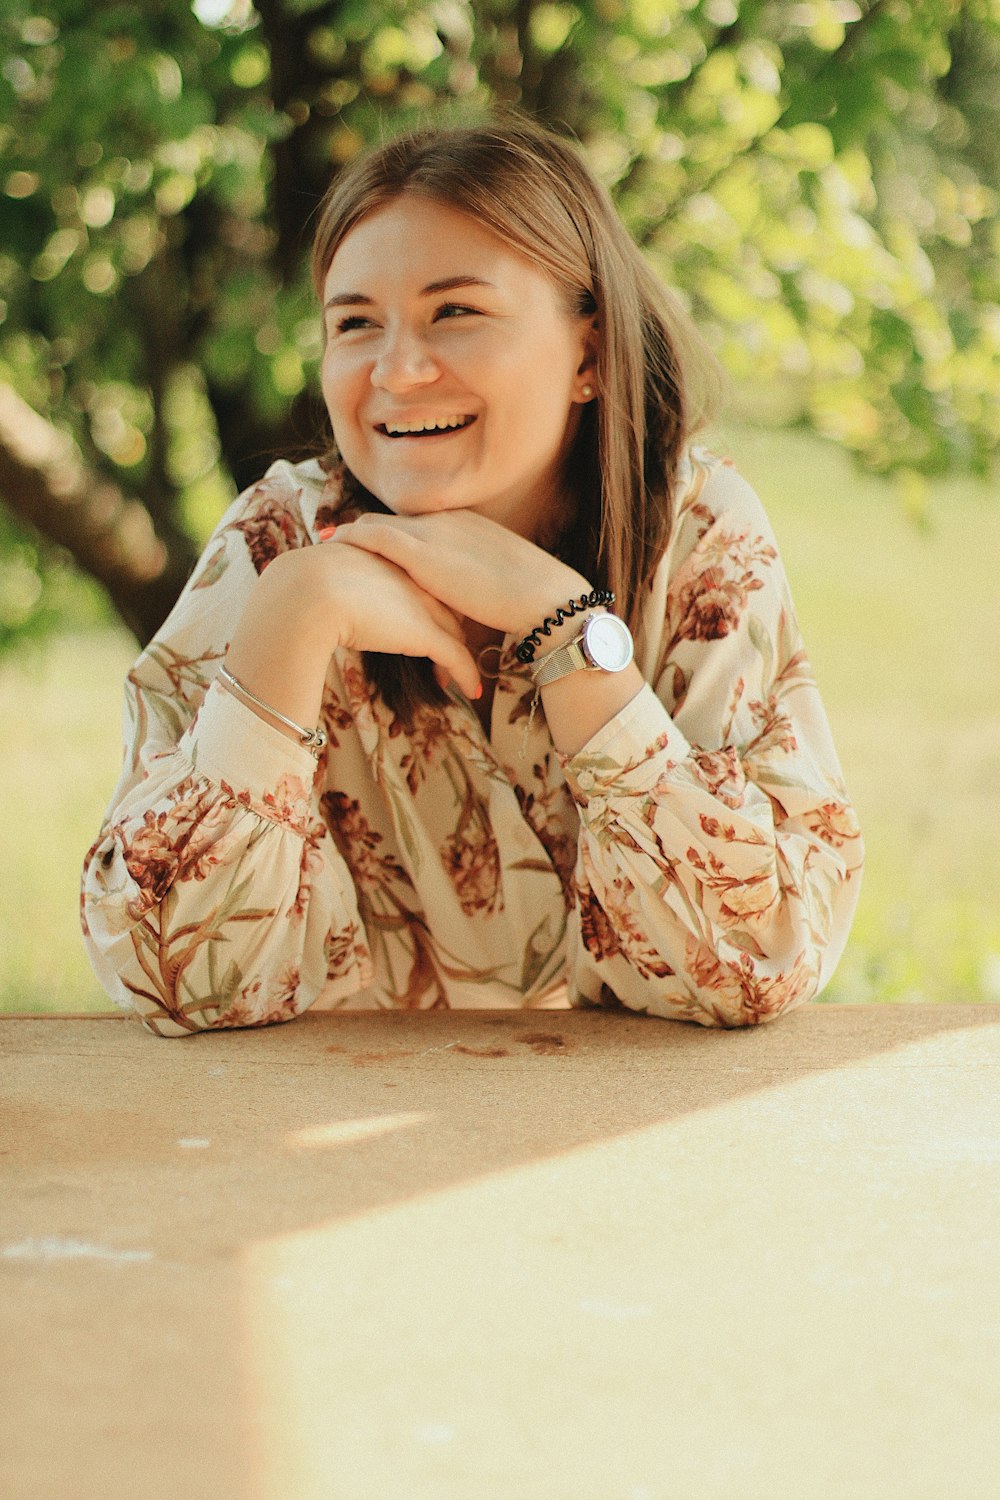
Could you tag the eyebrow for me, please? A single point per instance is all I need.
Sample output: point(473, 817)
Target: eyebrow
point(448, 284)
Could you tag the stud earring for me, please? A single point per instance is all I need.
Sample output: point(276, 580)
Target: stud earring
point(586, 392)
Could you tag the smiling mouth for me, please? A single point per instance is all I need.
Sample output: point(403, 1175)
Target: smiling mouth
point(440, 427)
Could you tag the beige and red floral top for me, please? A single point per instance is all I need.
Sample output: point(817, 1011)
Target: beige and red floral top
point(698, 859)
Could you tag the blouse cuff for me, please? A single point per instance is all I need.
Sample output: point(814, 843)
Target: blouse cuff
point(640, 744)
point(229, 744)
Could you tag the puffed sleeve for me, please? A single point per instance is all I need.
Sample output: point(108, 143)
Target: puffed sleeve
point(719, 859)
point(214, 895)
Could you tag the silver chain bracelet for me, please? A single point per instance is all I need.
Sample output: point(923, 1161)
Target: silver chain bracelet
point(315, 740)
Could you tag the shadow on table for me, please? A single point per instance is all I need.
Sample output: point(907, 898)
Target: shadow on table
point(335, 1114)
point(147, 1183)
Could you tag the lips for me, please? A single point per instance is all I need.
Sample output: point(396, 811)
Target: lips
point(425, 426)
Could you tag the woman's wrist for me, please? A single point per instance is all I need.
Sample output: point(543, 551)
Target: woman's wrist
point(280, 650)
point(550, 594)
point(314, 739)
point(297, 598)
point(560, 617)
point(581, 703)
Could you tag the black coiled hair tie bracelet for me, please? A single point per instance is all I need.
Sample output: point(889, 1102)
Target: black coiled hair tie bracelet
point(526, 649)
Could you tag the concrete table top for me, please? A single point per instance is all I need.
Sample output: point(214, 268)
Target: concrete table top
point(516, 1255)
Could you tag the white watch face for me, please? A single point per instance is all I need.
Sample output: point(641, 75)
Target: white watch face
point(608, 643)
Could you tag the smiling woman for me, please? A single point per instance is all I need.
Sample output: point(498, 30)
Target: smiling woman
point(393, 747)
point(495, 379)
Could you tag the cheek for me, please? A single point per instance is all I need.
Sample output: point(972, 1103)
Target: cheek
point(328, 375)
point(337, 386)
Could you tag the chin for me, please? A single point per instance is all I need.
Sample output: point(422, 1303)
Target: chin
point(419, 502)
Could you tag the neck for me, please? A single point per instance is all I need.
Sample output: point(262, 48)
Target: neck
point(543, 519)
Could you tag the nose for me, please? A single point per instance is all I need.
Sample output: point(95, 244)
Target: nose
point(404, 361)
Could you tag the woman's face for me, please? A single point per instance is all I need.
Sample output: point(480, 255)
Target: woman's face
point(452, 373)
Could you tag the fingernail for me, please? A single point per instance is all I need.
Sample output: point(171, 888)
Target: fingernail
point(325, 533)
point(479, 691)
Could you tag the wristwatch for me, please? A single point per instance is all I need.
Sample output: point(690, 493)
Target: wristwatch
point(604, 645)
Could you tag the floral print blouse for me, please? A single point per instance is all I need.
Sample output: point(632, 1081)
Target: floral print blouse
point(698, 859)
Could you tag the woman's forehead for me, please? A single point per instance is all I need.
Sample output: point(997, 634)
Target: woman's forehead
point(414, 238)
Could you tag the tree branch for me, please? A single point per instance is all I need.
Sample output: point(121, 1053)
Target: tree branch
point(301, 171)
point(44, 481)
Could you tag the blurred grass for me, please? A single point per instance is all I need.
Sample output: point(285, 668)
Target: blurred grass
point(902, 622)
point(59, 757)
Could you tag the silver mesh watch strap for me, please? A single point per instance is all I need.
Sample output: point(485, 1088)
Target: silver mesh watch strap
point(559, 663)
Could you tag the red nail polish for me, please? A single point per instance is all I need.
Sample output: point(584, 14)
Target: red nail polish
point(479, 692)
point(325, 533)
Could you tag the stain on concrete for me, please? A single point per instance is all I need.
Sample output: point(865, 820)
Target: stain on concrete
point(542, 1043)
point(368, 1059)
point(546, 1043)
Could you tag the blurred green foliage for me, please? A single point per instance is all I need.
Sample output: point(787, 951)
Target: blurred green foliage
point(39, 590)
point(817, 179)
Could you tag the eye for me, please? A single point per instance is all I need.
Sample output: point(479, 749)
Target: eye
point(454, 310)
point(352, 321)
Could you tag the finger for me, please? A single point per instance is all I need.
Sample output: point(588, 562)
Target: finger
point(442, 616)
point(456, 662)
point(378, 534)
point(441, 613)
point(439, 634)
point(395, 546)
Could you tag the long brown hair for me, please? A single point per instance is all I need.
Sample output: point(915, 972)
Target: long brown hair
point(655, 378)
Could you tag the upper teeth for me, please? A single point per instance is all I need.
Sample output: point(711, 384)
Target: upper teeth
point(440, 424)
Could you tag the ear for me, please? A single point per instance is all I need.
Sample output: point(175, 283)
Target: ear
point(586, 373)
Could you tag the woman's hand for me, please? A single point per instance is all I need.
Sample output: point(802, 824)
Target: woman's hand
point(475, 567)
point(312, 600)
